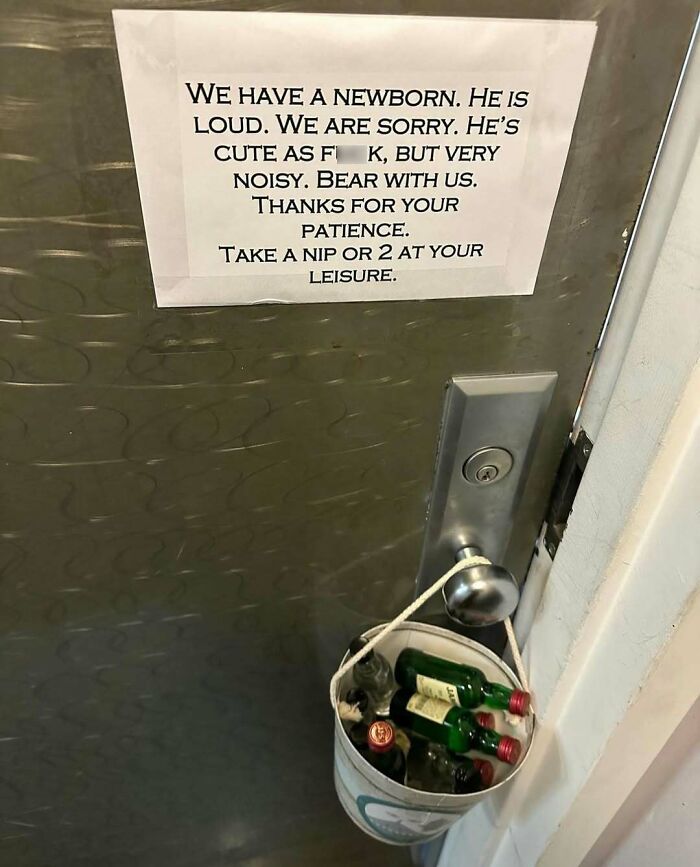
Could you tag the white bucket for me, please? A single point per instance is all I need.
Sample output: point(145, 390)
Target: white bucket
point(394, 813)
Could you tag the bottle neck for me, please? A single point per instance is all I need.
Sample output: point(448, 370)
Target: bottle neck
point(496, 695)
point(465, 777)
point(486, 741)
point(369, 664)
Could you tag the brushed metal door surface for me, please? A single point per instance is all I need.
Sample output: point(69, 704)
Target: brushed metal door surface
point(200, 507)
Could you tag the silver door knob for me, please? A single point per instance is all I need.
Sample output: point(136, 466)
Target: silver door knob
point(480, 595)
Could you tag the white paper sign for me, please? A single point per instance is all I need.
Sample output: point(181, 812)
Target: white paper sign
point(295, 157)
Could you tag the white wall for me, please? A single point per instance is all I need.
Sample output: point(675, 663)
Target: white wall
point(658, 823)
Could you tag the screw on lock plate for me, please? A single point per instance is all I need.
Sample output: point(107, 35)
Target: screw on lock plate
point(487, 466)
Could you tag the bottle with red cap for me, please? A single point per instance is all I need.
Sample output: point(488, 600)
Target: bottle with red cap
point(432, 768)
point(458, 684)
point(383, 752)
point(453, 727)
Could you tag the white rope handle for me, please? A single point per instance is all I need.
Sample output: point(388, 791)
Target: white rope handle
point(414, 606)
point(517, 658)
point(404, 615)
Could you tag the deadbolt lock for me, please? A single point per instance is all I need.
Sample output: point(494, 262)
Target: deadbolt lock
point(487, 466)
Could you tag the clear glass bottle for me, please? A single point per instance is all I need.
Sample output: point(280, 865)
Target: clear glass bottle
point(432, 768)
point(373, 674)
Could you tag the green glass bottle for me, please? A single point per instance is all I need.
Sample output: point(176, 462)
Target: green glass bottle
point(451, 726)
point(458, 684)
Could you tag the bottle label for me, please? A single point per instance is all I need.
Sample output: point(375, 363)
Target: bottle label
point(437, 689)
point(429, 708)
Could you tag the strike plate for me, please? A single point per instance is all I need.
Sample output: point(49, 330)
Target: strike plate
point(485, 419)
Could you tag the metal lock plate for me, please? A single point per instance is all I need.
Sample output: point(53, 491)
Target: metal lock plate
point(489, 431)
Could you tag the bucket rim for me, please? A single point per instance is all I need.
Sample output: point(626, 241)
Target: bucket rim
point(442, 799)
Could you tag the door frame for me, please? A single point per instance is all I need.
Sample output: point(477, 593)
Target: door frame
point(607, 629)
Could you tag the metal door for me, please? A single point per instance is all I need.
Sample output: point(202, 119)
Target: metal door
point(200, 508)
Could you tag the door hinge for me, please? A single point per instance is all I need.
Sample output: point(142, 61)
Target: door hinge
point(571, 468)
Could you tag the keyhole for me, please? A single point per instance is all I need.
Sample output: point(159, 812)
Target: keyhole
point(486, 474)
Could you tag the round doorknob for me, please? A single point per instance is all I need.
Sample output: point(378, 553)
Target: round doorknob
point(480, 595)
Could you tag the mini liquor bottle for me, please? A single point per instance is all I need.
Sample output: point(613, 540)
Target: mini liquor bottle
point(373, 674)
point(383, 752)
point(431, 768)
point(458, 684)
point(359, 699)
point(453, 727)
point(358, 737)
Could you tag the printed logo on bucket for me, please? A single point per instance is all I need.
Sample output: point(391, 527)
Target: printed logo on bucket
point(401, 824)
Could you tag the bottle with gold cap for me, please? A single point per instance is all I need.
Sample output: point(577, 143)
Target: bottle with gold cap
point(455, 683)
point(383, 752)
point(453, 727)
